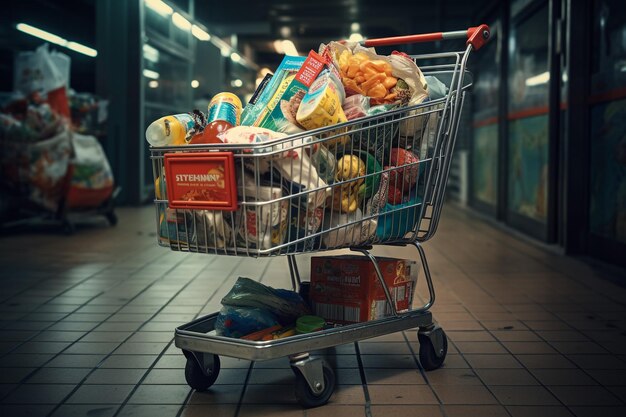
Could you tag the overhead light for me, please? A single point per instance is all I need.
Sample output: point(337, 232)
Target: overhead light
point(289, 48)
point(542, 78)
point(150, 74)
point(225, 50)
point(41, 34)
point(264, 71)
point(55, 39)
point(195, 83)
point(236, 83)
point(180, 21)
point(75, 46)
point(356, 37)
point(285, 31)
point(160, 7)
point(150, 53)
point(153, 83)
point(199, 33)
point(235, 57)
point(355, 27)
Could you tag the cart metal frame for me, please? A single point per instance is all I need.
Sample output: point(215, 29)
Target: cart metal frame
point(314, 379)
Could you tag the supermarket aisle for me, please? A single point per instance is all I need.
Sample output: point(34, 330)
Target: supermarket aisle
point(87, 321)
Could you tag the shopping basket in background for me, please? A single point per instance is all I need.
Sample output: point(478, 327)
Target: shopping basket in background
point(376, 180)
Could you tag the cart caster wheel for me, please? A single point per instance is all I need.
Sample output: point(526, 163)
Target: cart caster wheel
point(307, 397)
point(111, 217)
point(197, 379)
point(428, 358)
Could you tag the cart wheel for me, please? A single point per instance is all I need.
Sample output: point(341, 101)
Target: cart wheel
point(197, 379)
point(306, 397)
point(428, 358)
point(111, 217)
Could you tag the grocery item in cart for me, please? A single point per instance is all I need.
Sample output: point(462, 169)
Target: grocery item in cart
point(177, 129)
point(396, 220)
point(224, 113)
point(237, 322)
point(345, 289)
point(347, 229)
point(260, 226)
point(286, 156)
point(196, 230)
point(286, 305)
point(277, 107)
point(349, 178)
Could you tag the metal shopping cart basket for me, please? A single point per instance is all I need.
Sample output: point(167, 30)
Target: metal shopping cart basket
point(320, 190)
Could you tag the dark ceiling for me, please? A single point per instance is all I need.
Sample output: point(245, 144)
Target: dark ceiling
point(308, 23)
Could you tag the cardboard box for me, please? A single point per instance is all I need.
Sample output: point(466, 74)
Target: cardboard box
point(345, 289)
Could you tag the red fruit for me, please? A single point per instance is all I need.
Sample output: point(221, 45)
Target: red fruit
point(394, 195)
point(400, 157)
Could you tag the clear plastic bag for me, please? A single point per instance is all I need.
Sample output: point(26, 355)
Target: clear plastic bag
point(240, 321)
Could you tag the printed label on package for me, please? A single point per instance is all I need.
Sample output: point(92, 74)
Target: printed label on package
point(201, 180)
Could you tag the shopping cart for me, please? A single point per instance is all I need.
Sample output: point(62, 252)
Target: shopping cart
point(294, 195)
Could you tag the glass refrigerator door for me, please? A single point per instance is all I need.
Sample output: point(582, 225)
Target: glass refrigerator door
point(528, 112)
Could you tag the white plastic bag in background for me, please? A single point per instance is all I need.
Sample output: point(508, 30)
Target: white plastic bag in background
point(91, 166)
point(41, 71)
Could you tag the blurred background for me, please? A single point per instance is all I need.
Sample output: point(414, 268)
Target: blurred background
point(542, 150)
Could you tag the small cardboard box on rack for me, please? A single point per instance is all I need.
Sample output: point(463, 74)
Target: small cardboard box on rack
point(345, 289)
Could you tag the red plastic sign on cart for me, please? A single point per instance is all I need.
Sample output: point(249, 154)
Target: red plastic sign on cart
point(201, 180)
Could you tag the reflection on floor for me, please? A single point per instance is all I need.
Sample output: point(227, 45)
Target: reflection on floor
point(87, 321)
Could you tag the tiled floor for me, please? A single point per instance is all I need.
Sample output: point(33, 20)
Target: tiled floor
point(87, 321)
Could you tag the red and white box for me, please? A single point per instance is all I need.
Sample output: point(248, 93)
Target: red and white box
point(345, 289)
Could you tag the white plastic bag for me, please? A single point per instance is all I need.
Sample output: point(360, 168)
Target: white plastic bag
point(41, 71)
point(91, 166)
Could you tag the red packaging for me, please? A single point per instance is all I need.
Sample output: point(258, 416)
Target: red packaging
point(201, 180)
point(345, 289)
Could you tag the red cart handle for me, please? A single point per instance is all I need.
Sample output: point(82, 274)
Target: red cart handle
point(476, 36)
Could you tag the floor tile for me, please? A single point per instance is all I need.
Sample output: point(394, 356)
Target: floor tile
point(506, 377)
point(293, 410)
point(91, 410)
point(464, 394)
point(38, 394)
point(562, 377)
point(545, 361)
point(39, 410)
point(101, 394)
point(584, 395)
point(376, 376)
point(591, 411)
point(524, 395)
point(480, 347)
point(267, 394)
point(493, 361)
point(389, 361)
point(115, 376)
point(538, 411)
point(58, 376)
point(445, 376)
point(475, 410)
point(348, 395)
point(75, 361)
point(129, 361)
point(387, 410)
point(14, 375)
point(215, 410)
point(141, 410)
point(401, 394)
point(271, 376)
